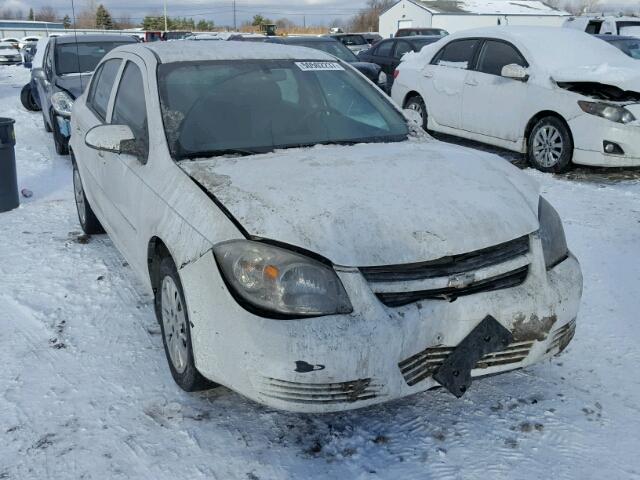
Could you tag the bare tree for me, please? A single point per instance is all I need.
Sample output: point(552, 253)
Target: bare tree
point(46, 14)
point(87, 16)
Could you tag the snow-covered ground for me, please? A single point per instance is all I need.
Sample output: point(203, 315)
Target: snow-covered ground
point(85, 391)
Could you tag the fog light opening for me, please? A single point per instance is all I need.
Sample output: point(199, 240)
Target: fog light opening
point(612, 148)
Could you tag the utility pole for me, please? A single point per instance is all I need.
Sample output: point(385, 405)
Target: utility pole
point(235, 26)
point(304, 21)
point(165, 16)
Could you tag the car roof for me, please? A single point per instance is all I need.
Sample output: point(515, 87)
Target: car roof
point(64, 39)
point(308, 39)
point(184, 51)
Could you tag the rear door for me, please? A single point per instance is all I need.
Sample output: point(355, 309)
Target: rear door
point(442, 81)
point(492, 104)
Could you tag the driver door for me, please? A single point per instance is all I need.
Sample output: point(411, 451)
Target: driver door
point(123, 174)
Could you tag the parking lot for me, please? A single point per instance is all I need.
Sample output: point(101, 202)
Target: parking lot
point(86, 392)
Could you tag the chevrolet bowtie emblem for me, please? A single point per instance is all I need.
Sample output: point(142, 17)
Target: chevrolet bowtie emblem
point(461, 281)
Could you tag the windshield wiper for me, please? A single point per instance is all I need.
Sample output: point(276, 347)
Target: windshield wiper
point(217, 153)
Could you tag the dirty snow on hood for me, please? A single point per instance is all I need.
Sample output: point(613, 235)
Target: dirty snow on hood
point(375, 204)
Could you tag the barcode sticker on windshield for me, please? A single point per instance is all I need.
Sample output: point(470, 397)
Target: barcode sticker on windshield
point(319, 66)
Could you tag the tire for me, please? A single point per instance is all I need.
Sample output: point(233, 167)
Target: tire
point(88, 220)
point(176, 329)
point(550, 146)
point(26, 97)
point(62, 145)
point(417, 104)
point(47, 128)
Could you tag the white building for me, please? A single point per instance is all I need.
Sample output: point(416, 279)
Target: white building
point(454, 15)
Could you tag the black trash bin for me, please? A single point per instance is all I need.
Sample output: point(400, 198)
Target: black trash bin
point(8, 176)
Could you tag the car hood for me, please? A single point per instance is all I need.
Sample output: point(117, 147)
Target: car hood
point(375, 204)
point(74, 83)
point(623, 77)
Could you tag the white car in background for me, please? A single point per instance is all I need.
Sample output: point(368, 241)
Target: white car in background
point(304, 248)
point(9, 55)
point(557, 94)
point(606, 25)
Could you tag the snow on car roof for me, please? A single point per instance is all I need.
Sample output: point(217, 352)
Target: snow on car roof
point(553, 47)
point(489, 7)
point(183, 51)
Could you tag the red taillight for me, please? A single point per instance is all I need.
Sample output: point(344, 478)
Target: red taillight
point(396, 72)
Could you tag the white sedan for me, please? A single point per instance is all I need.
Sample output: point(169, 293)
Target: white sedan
point(559, 95)
point(304, 247)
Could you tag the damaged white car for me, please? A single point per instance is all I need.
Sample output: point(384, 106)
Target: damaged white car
point(559, 95)
point(304, 248)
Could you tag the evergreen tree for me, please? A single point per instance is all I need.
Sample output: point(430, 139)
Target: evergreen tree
point(66, 21)
point(103, 18)
point(31, 17)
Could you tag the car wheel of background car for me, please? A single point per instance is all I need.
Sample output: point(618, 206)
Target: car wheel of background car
point(88, 220)
point(550, 146)
point(176, 329)
point(47, 128)
point(26, 97)
point(61, 146)
point(416, 104)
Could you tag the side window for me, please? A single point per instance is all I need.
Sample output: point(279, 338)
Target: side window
point(130, 108)
point(594, 27)
point(101, 87)
point(495, 55)
point(384, 49)
point(457, 54)
point(402, 48)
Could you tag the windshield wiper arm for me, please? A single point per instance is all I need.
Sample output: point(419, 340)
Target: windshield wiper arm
point(217, 153)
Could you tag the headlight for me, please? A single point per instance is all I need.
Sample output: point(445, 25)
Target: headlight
point(554, 243)
point(615, 113)
point(62, 103)
point(278, 282)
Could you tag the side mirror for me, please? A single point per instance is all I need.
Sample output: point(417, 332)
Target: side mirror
point(515, 72)
point(38, 74)
point(112, 138)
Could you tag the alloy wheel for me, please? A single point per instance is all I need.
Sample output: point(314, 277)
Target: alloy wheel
point(174, 324)
point(548, 146)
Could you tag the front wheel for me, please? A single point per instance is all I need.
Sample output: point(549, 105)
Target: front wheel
point(550, 146)
point(88, 220)
point(176, 329)
point(417, 105)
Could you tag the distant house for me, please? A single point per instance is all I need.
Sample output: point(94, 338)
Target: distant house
point(454, 15)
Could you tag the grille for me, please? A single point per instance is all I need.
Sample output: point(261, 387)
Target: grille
point(447, 266)
point(424, 364)
point(500, 282)
point(321, 393)
point(563, 336)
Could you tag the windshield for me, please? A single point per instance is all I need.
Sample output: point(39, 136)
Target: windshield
point(333, 48)
point(350, 40)
point(81, 57)
point(630, 47)
point(251, 106)
point(6, 47)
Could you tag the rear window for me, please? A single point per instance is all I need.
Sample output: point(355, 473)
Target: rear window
point(331, 47)
point(81, 57)
point(350, 40)
point(458, 54)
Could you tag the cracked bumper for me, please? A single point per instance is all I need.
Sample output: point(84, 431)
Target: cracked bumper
point(344, 362)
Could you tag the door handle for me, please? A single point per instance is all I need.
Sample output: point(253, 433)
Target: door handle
point(100, 154)
point(428, 74)
point(472, 83)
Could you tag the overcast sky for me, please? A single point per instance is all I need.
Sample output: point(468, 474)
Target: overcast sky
point(221, 11)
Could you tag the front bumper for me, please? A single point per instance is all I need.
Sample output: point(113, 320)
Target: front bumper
point(589, 134)
point(376, 354)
